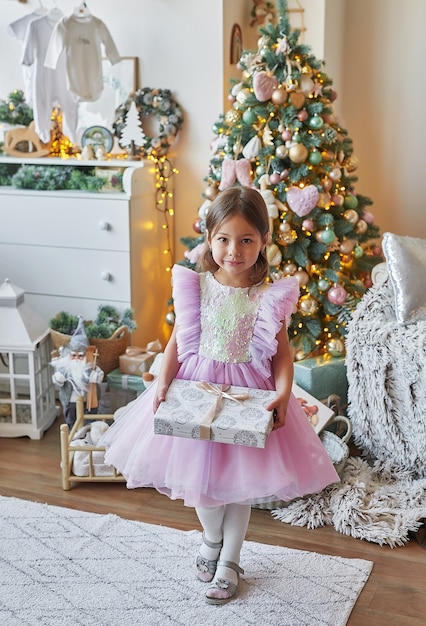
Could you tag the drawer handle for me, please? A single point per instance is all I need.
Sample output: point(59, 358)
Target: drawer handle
point(103, 225)
point(106, 276)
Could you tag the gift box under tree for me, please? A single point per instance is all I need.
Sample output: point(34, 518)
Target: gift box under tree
point(123, 388)
point(322, 376)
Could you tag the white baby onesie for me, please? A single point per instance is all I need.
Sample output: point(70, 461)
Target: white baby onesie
point(49, 85)
point(81, 37)
point(18, 30)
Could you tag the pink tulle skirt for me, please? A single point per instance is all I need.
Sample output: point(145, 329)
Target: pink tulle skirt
point(204, 473)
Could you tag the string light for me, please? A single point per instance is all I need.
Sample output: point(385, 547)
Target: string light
point(164, 170)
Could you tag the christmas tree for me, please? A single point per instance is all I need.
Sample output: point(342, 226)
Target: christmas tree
point(281, 136)
point(132, 134)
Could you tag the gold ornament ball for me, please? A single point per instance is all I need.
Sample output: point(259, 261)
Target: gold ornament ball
point(284, 227)
point(335, 347)
point(232, 116)
point(210, 192)
point(273, 254)
point(351, 163)
point(279, 96)
point(302, 277)
point(327, 184)
point(308, 305)
point(361, 227)
point(298, 153)
point(335, 174)
point(351, 215)
point(281, 152)
point(347, 246)
point(289, 269)
point(287, 238)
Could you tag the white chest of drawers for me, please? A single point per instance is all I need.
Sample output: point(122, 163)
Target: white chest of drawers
point(72, 250)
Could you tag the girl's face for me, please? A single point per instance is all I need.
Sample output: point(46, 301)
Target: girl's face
point(235, 247)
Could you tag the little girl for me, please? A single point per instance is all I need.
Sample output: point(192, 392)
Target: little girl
point(231, 328)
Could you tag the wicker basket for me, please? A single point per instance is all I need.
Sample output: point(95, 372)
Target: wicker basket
point(335, 446)
point(110, 349)
point(59, 339)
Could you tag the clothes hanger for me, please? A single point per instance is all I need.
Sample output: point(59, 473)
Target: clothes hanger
point(82, 10)
point(55, 12)
point(41, 10)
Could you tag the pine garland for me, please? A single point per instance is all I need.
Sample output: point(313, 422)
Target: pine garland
point(54, 177)
point(14, 110)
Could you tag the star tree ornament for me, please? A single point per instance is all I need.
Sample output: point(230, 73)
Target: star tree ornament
point(282, 137)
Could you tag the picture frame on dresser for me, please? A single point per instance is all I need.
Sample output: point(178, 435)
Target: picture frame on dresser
point(120, 81)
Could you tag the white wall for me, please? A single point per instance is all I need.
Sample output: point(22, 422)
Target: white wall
point(373, 50)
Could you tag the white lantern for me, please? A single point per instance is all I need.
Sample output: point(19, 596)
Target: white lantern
point(27, 394)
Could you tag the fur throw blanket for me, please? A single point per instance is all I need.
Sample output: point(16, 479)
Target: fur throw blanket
point(386, 370)
point(376, 503)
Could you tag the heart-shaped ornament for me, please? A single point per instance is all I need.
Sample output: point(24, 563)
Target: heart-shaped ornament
point(302, 201)
point(263, 85)
point(297, 99)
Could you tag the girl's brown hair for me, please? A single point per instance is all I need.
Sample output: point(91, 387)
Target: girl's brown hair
point(248, 203)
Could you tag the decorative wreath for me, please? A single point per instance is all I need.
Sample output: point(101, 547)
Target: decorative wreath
point(161, 104)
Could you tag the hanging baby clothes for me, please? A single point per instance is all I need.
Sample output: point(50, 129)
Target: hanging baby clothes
point(81, 36)
point(49, 85)
point(18, 30)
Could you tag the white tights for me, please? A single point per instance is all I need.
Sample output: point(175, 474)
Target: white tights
point(228, 522)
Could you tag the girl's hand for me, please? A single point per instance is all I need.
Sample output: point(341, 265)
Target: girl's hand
point(279, 411)
point(160, 396)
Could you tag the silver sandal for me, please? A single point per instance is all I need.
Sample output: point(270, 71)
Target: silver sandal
point(205, 568)
point(224, 584)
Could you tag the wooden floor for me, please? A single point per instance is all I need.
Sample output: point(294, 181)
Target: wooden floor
point(395, 594)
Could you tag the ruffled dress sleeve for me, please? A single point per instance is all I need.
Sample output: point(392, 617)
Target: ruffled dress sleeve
point(186, 301)
point(276, 308)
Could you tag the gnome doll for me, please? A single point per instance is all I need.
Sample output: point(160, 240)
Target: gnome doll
point(74, 374)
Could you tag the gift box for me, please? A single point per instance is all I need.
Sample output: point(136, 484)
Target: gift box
point(322, 376)
point(234, 415)
point(135, 361)
point(316, 412)
point(123, 388)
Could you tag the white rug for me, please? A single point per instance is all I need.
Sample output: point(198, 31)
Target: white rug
point(377, 503)
point(61, 567)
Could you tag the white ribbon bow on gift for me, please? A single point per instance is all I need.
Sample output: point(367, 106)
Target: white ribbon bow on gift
point(220, 391)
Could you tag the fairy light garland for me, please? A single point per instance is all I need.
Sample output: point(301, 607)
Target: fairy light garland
point(164, 170)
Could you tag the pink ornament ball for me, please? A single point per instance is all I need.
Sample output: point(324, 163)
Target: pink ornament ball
point(303, 115)
point(337, 295)
point(286, 135)
point(337, 199)
point(196, 225)
point(308, 224)
point(275, 178)
point(368, 217)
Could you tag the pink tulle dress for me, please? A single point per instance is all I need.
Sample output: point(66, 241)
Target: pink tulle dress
point(224, 335)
